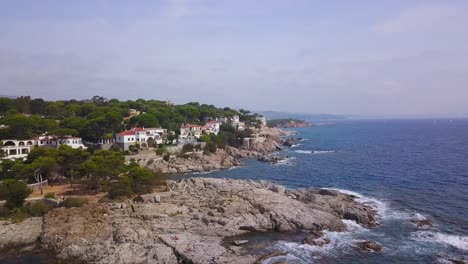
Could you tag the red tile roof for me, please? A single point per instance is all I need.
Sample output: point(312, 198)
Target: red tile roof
point(126, 133)
point(190, 125)
point(213, 122)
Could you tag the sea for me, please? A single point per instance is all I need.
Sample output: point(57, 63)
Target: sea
point(406, 169)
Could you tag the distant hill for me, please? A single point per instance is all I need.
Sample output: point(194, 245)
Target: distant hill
point(288, 123)
point(301, 116)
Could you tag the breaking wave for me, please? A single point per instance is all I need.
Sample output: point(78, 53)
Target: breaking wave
point(286, 161)
point(460, 242)
point(314, 151)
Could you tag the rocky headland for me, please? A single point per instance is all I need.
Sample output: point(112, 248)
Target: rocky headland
point(265, 141)
point(288, 123)
point(194, 221)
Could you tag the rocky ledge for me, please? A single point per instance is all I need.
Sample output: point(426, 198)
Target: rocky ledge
point(191, 221)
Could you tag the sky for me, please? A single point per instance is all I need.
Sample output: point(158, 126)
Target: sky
point(395, 57)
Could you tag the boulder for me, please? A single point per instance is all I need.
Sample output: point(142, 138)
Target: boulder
point(371, 245)
point(422, 223)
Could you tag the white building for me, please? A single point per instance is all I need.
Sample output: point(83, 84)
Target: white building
point(262, 120)
point(237, 124)
point(139, 135)
point(57, 141)
point(15, 149)
point(212, 127)
point(189, 132)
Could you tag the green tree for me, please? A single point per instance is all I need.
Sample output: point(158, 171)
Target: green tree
point(14, 192)
point(103, 165)
point(121, 188)
point(22, 104)
point(38, 106)
point(6, 104)
point(64, 132)
point(48, 166)
point(142, 179)
point(70, 160)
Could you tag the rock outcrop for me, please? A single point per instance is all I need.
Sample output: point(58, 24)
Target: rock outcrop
point(21, 235)
point(196, 162)
point(372, 246)
point(190, 223)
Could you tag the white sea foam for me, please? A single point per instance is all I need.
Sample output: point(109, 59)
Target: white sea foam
point(340, 242)
point(460, 242)
point(286, 161)
point(353, 226)
point(314, 151)
point(380, 206)
point(296, 145)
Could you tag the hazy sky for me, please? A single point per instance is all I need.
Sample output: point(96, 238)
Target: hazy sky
point(350, 57)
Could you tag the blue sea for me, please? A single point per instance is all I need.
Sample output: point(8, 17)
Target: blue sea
point(407, 169)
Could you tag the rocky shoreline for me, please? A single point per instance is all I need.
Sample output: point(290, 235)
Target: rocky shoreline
point(271, 140)
point(191, 222)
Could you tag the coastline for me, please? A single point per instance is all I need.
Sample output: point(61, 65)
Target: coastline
point(271, 140)
point(199, 220)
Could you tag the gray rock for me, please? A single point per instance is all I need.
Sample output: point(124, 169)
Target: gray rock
point(371, 245)
point(191, 222)
point(21, 234)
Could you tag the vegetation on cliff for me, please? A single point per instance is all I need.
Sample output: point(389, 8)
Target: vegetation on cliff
point(288, 123)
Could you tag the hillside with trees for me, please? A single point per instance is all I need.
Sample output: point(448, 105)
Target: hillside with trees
point(99, 117)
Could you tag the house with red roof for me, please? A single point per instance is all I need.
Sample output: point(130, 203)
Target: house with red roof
point(212, 127)
point(138, 135)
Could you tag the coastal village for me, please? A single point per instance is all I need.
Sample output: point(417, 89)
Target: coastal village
point(90, 181)
point(136, 136)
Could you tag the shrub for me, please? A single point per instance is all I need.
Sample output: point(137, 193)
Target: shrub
point(74, 202)
point(121, 188)
point(205, 138)
point(187, 148)
point(17, 215)
point(50, 195)
point(14, 192)
point(160, 151)
point(4, 212)
point(210, 147)
point(38, 208)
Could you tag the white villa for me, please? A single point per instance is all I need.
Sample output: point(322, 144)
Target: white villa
point(139, 135)
point(237, 124)
point(15, 149)
point(212, 127)
point(262, 120)
point(189, 132)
